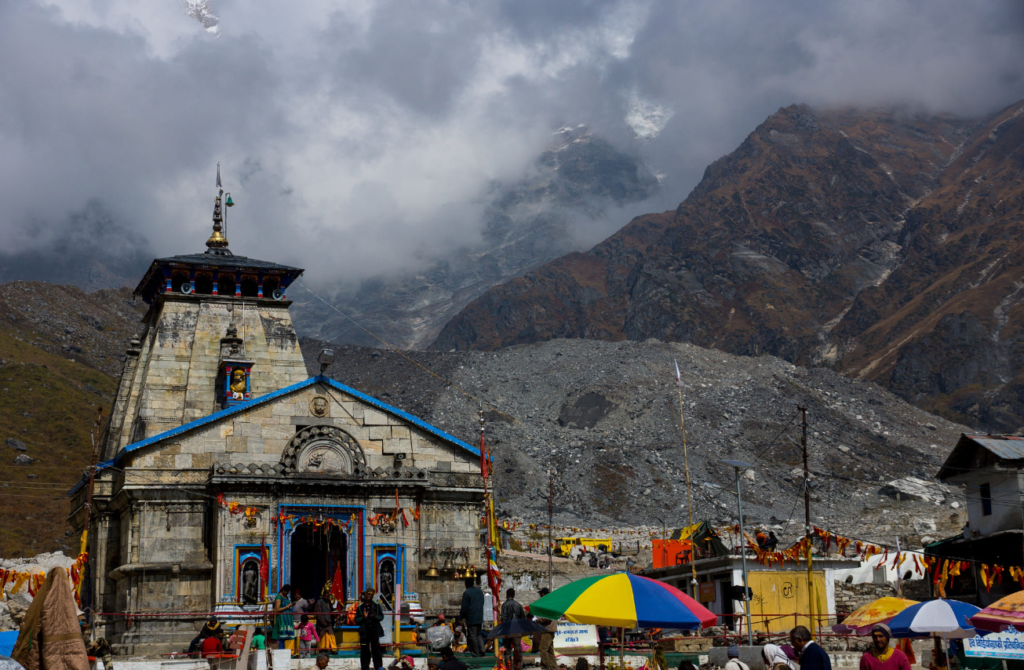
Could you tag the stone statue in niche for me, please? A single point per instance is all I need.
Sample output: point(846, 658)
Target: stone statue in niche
point(238, 385)
point(387, 580)
point(250, 583)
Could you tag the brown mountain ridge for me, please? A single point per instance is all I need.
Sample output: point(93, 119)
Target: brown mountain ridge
point(879, 242)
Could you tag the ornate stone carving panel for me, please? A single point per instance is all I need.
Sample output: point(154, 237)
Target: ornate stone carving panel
point(323, 450)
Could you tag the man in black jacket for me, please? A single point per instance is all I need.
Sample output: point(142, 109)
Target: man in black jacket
point(472, 612)
point(812, 656)
point(368, 618)
point(512, 609)
point(449, 662)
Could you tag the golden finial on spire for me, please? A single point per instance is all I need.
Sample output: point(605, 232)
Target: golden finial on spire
point(217, 240)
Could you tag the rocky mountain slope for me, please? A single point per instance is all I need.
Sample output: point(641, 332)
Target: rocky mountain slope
point(878, 242)
point(545, 215)
point(605, 418)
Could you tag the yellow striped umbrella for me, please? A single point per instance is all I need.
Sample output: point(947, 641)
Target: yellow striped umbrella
point(876, 611)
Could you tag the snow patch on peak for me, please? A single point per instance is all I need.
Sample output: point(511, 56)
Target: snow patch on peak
point(201, 11)
point(647, 118)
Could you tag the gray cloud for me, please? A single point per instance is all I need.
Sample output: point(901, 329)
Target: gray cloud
point(361, 137)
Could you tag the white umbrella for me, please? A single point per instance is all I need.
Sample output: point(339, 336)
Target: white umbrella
point(944, 618)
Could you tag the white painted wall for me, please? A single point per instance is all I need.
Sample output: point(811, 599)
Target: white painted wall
point(1005, 487)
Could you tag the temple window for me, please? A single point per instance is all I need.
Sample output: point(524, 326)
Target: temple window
point(250, 288)
point(270, 285)
point(204, 283)
point(179, 282)
point(226, 284)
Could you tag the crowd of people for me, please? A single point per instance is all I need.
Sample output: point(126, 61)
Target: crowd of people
point(803, 653)
point(311, 623)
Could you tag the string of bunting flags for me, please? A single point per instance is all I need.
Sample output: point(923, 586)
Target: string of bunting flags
point(943, 571)
point(318, 520)
point(34, 580)
point(513, 526)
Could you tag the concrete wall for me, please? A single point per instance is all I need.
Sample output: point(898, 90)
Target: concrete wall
point(1006, 501)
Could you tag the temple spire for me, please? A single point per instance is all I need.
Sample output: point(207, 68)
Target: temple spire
point(218, 243)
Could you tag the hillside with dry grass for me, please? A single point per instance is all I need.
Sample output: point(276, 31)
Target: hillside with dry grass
point(60, 351)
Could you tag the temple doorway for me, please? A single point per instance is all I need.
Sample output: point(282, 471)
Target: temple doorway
point(317, 552)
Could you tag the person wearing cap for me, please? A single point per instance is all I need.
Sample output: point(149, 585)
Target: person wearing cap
point(881, 656)
point(734, 662)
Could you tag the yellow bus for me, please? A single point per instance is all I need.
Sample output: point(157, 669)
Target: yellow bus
point(565, 544)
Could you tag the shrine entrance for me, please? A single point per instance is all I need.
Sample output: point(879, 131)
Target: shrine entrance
point(317, 552)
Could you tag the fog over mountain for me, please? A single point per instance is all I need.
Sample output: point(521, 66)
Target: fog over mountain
point(364, 139)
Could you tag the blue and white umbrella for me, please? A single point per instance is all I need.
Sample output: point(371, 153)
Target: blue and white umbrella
point(941, 618)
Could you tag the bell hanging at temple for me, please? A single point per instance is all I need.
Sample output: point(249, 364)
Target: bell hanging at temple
point(229, 202)
point(432, 571)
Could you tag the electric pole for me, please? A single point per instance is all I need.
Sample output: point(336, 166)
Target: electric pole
point(551, 513)
point(807, 514)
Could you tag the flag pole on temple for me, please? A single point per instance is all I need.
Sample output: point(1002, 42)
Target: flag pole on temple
point(493, 576)
point(686, 462)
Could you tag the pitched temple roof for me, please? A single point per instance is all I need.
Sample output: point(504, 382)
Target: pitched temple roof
point(256, 402)
point(152, 282)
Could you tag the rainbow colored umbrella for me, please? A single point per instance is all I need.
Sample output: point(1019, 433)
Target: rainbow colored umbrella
point(623, 600)
point(1001, 614)
point(863, 618)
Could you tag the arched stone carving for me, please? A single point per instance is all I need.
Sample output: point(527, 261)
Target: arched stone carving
point(323, 450)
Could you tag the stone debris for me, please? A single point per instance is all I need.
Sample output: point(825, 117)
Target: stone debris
point(13, 606)
point(912, 488)
point(603, 418)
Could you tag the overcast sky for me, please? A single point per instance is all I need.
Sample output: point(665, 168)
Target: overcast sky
point(359, 136)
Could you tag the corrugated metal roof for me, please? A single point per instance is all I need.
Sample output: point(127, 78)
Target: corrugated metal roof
point(256, 402)
point(1009, 447)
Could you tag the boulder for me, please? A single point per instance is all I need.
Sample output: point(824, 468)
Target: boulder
point(911, 488)
point(17, 445)
point(22, 459)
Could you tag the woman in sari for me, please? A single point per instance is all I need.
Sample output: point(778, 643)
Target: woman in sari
point(284, 622)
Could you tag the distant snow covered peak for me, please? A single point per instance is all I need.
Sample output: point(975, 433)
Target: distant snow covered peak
point(201, 11)
point(647, 118)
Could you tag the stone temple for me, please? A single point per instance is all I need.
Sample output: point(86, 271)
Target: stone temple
point(227, 471)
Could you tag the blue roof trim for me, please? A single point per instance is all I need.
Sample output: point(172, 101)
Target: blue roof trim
point(420, 423)
point(255, 402)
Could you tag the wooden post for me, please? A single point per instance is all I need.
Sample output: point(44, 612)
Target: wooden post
point(398, 613)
